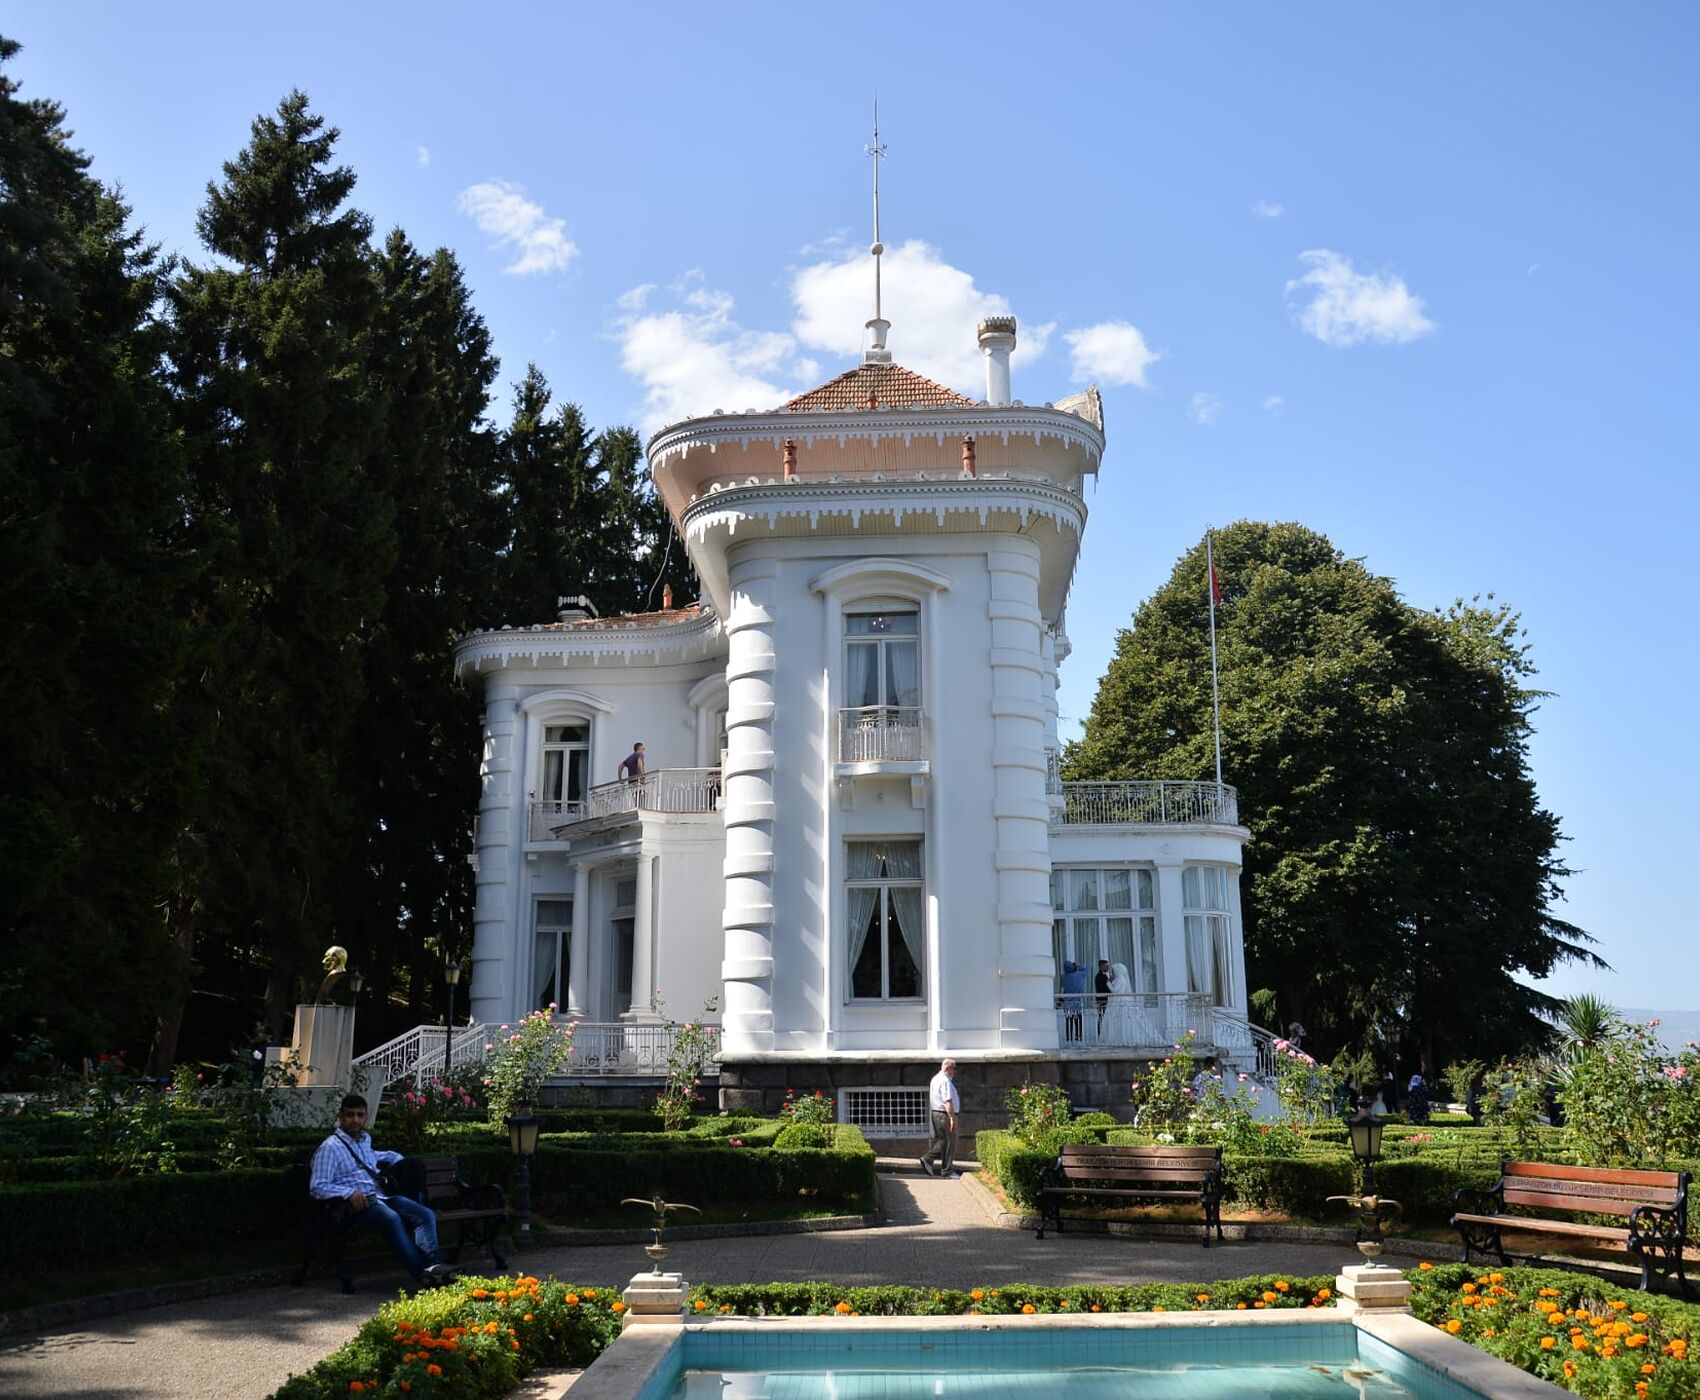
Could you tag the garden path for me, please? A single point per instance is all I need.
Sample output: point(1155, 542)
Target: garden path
point(242, 1345)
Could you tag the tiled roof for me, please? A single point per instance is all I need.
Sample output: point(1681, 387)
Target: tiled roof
point(666, 617)
point(890, 385)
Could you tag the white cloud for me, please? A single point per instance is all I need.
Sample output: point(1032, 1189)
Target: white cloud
point(1113, 352)
point(1205, 409)
point(1273, 405)
point(932, 306)
point(692, 357)
point(424, 157)
point(1267, 209)
point(501, 210)
point(1347, 306)
point(686, 347)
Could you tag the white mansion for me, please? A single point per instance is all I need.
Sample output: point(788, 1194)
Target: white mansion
point(850, 831)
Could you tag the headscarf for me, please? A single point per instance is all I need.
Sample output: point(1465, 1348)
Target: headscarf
point(1415, 1084)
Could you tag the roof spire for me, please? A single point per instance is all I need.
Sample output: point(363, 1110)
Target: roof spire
point(876, 353)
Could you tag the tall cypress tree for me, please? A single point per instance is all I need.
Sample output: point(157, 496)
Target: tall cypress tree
point(91, 576)
point(283, 432)
point(412, 785)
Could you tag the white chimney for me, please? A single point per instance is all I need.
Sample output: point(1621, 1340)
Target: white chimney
point(997, 339)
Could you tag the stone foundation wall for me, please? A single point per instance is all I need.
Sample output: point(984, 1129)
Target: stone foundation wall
point(1091, 1084)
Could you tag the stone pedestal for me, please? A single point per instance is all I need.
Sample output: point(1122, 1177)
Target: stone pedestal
point(652, 1299)
point(1372, 1288)
point(323, 1047)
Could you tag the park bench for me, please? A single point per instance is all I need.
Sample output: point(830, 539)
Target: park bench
point(1655, 1205)
point(476, 1212)
point(1133, 1176)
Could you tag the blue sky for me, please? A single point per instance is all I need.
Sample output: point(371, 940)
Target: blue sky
point(1423, 279)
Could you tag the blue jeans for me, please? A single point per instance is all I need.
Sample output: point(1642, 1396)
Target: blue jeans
point(409, 1228)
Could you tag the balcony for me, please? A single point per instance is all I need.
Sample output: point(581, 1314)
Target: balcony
point(1151, 803)
point(882, 734)
point(659, 790)
point(1151, 1024)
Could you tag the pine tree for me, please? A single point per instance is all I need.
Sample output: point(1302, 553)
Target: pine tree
point(91, 579)
point(283, 431)
point(1401, 871)
point(411, 784)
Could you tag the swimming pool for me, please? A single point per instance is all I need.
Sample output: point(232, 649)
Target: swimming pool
point(1317, 1355)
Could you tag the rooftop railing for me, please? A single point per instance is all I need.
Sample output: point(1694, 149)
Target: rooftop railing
point(1149, 803)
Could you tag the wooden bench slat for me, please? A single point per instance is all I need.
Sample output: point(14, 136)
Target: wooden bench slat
point(1528, 1225)
point(1137, 1175)
point(1624, 1176)
point(1598, 1205)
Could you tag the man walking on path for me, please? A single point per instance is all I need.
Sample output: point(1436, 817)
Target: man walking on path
point(346, 1172)
point(946, 1105)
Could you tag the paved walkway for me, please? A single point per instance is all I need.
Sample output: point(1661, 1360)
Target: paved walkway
point(242, 1346)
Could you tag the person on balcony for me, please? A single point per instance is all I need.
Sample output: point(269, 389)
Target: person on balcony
point(1117, 1027)
point(631, 766)
point(1074, 1000)
point(1101, 985)
point(348, 1173)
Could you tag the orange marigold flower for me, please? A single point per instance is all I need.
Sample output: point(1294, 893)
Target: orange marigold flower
point(1635, 1339)
point(1454, 1326)
point(1467, 1288)
point(572, 1300)
point(725, 1307)
point(588, 1293)
point(1570, 1368)
point(1268, 1296)
point(1548, 1343)
point(700, 1306)
point(841, 1308)
point(1097, 1308)
point(619, 1307)
point(977, 1294)
point(1637, 1317)
point(1259, 1304)
point(1324, 1294)
point(1648, 1367)
point(1159, 1308)
point(513, 1346)
point(481, 1293)
point(1282, 1286)
point(1240, 1307)
point(1618, 1306)
point(357, 1386)
point(1425, 1266)
point(1580, 1343)
point(1028, 1308)
point(1203, 1297)
point(433, 1369)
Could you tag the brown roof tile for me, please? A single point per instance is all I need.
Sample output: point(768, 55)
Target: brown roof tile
point(890, 385)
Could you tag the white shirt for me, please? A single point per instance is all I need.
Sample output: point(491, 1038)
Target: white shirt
point(941, 1094)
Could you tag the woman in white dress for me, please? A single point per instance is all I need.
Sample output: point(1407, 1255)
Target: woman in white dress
point(1119, 1019)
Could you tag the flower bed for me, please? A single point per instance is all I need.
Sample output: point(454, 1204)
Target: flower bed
point(472, 1341)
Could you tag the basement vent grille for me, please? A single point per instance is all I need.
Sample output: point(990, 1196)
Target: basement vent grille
point(886, 1113)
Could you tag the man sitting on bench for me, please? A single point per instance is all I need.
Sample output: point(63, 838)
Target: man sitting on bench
point(346, 1169)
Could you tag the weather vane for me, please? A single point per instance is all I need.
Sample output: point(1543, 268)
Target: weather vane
point(658, 1251)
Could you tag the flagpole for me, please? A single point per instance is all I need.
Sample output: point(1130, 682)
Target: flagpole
point(1215, 683)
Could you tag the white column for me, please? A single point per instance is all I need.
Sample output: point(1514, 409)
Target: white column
point(1023, 856)
point(747, 917)
point(1171, 925)
point(501, 844)
point(643, 942)
point(578, 951)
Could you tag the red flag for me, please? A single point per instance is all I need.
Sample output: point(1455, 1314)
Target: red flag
point(1215, 587)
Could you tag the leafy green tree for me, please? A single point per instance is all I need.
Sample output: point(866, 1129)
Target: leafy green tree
point(291, 509)
point(1401, 872)
point(91, 577)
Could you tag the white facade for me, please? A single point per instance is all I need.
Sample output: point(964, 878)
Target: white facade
point(849, 832)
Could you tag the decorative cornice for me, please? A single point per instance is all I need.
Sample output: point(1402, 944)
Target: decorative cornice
point(699, 639)
point(775, 499)
point(877, 424)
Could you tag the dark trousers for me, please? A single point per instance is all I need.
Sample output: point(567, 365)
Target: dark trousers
point(942, 1148)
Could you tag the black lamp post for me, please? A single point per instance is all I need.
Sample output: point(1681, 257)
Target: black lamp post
point(355, 983)
point(451, 975)
point(1365, 1129)
point(523, 1128)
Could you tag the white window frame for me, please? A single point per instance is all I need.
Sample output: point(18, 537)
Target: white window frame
point(881, 647)
point(1143, 917)
point(1210, 925)
point(884, 884)
point(563, 947)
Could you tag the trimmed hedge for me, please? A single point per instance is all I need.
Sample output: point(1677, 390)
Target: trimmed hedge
point(155, 1215)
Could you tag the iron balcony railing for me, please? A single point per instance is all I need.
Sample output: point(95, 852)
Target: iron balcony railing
point(1149, 803)
point(1148, 1022)
point(660, 790)
point(607, 1048)
point(882, 734)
